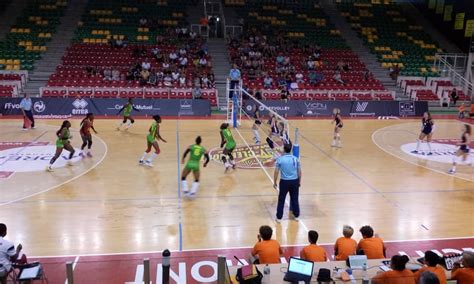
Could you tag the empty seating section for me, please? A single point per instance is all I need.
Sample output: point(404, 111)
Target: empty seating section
point(28, 37)
point(392, 37)
point(118, 37)
point(302, 34)
point(133, 21)
point(429, 89)
point(12, 82)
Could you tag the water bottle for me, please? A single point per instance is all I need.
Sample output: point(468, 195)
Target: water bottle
point(365, 278)
point(266, 274)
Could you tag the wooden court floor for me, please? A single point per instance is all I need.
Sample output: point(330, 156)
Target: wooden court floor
point(110, 204)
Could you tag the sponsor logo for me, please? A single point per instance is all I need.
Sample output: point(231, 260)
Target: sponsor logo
point(244, 159)
point(11, 106)
point(442, 150)
point(185, 107)
point(315, 108)
point(39, 106)
point(360, 107)
point(406, 108)
point(28, 157)
point(80, 106)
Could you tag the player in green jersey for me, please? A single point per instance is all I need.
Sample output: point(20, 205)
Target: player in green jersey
point(62, 142)
point(197, 151)
point(228, 141)
point(151, 140)
point(127, 111)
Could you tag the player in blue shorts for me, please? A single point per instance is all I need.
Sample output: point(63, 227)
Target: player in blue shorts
point(463, 150)
point(427, 128)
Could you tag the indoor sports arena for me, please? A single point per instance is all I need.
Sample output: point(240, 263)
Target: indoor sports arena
point(237, 141)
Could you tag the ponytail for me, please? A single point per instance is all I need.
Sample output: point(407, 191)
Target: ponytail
point(63, 125)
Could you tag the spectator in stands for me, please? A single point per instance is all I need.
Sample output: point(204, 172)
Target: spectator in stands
point(165, 65)
point(212, 81)
point(119, 43)
point(299, 78)
point(338, 78)
point(26, 105)
point(115, 75)
point(197, 93)
point(345, 67)
point(155, 51)
point(370, 245)
point(267, 250)
point(280, 59)
point(160, 75)
point(454, 96)
point(107, 74)
point(464, 275)
point(8, 254)
point(91, 71)
point(398, 275)
point(366, 75)
point(461, 111)
point(183, 62)
point(167, 80)
point(431, 261)
point(234, 77)
point(197, 80)
point(345, 245)
point(175, 75)
point(258, 95)
point(173, 56)
point(317, 51)
point(267, 82)
point(394, 72)
point(182, 81)
point(286, 61)
point(289, 167)
point(313, 252)
point(203, 62)
point(144, 76)
point(310, 64)
point(152, 79)
point(192, 35)
point(143, 22)
point(204, 81)
point(159, 57)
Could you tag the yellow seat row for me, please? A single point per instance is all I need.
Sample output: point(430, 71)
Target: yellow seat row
point(95, 40)
point(10, 61)
point(392, 64)
point(20, 30)
point(143, 38)
point(101, 12)
point(115, 37)
point(100, 32)
point(110, 20)
point(130, 9)
point(295, 34)
point(36, 48)
point(12, 67)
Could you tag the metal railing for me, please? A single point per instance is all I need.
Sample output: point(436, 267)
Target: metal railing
point(451, 65)
point(233, 31)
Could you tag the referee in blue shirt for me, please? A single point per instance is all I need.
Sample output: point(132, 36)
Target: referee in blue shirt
point(234, 76)
point(290, 169)
point(26, 104)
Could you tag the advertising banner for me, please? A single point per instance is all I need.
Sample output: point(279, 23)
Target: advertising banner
point(469, 28)
point(459, 21)
point(347, 108)
point(66, 107)
point(448, 12)
point(439, 6)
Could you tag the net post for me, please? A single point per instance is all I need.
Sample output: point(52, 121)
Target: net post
point(69, 272)
point(296, 146)
point(221, 269)
point(234, 110)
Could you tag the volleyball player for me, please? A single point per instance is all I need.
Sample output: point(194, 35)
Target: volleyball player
point(427, 128)
point(197, 151)
point(62, 142)
point(151, 140)
point(336, 140)
point(127, 111)
point(274, 131)
point(463, 150)
point(86, 125)
point(228, 141)
point(256, 124)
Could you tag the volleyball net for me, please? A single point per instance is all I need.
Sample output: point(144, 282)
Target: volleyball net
point(273, 130)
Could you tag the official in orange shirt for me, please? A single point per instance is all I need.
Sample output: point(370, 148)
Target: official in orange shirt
point(398, 275)
point(464, 275)
point(372, 247)
point(313, 252)
point(345, 246)
point(267, 250)
point(431, 261)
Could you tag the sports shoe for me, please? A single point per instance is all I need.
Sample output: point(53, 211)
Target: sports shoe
point(141, 162)
point(227, 167)
point(297, 219)
point(339, 145)
point(414, 152)
point(49, 168)
point(25, 129)
point(429, 154)
point(333, 145)
point(278, 220)
point(89, 154)
point(148, 164)
point(33, 127)
point(451, 171)
point(69, 163)
point(81, 154)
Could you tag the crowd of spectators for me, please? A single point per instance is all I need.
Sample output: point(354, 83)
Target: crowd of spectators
point(186, 66)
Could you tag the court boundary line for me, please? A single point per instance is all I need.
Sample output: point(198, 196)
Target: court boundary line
point(180, 225)
point(408, 161)
point(239, 247)
point(66, 181)
point(269, 177)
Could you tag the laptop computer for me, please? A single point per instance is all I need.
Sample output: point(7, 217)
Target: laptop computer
point(299, 270)
point(357, 261)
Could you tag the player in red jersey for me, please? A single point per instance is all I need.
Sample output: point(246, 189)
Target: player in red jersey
point(86, 125)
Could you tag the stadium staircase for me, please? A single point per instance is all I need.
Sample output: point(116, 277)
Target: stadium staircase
point(220, 60)
point(195, 12)
point(56, 48)
point(9, 16)
point(358, 47)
